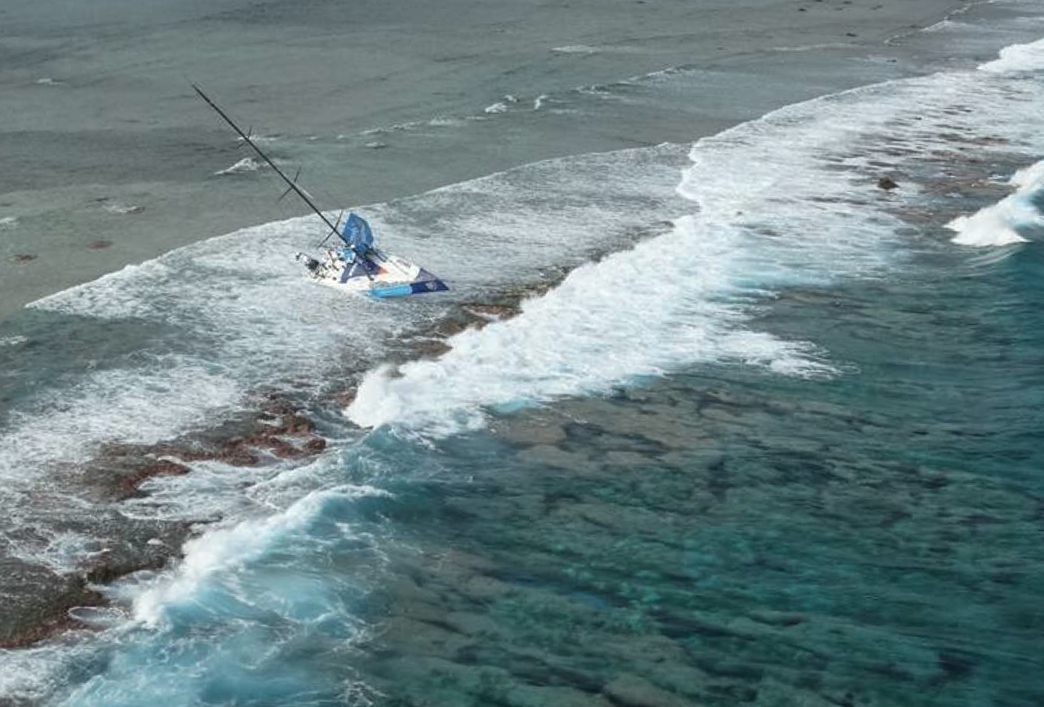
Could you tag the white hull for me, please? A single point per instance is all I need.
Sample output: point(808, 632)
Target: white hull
point(382, 276)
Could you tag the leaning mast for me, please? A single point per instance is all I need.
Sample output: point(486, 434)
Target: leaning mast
point(290, 183)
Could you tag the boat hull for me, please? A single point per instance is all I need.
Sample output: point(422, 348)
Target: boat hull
point(383, 277)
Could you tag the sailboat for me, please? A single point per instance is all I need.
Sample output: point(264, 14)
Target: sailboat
point(357, 264)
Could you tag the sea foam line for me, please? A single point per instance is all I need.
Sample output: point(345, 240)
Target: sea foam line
point(1017, 58)
point(243, 600)
point(638, 312)
point(211, 560)
point(999, 224)
point(117, 405)
point(785, 200)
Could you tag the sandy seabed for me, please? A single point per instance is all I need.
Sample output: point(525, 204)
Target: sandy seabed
point(110, 159)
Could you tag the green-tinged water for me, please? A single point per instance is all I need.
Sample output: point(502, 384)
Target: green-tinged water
point(723, 538)
point(748, 412)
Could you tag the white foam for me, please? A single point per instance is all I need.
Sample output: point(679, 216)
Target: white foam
point(260, 138)
point(786, 200)
point(119, 405)
point(242, 293)
point(813, 47)
point(999, 224)
point(1017, 58)
point(245, 318)
point(218, 551)
point(638, 312)
point(989, 227)
point(244, 592)
point(8, 222)
point(119, 208)
point(444, 121)
point(216, 556)
point(941, 26)
point(27, 674)
point(62, 552)
point(247, 164)
point(1029, 178)
point(107, 297)
point(576, 49)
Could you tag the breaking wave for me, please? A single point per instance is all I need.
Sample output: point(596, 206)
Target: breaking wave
point(1005, 222)
point(1017, 58)
point(789, 200)
point(247, 164)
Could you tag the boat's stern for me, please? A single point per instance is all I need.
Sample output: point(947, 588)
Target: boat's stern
point(384, 277)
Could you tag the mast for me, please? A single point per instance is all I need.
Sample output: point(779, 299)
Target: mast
point(290, 183)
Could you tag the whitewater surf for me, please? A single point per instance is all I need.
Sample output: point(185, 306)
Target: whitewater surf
point(763, 432)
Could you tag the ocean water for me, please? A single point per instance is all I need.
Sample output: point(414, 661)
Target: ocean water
point(747, 425)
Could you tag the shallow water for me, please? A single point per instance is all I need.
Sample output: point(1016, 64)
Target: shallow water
point(770, 437)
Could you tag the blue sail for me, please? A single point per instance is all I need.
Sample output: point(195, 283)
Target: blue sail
point(357, 234)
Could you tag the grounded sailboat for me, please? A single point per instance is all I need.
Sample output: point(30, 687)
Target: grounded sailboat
point(357, 265)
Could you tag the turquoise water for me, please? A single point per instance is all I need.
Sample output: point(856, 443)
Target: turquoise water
point(718, 536)
point(773, 439)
